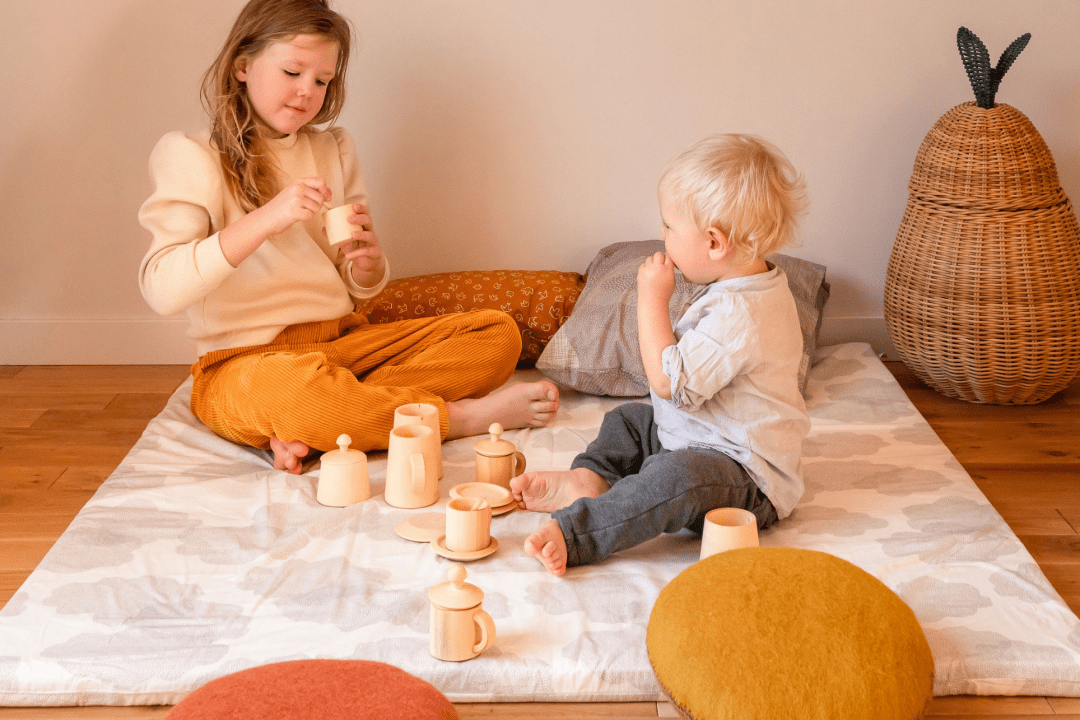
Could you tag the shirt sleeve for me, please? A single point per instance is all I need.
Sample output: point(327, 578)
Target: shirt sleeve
point(705, 360)
point(185, 262)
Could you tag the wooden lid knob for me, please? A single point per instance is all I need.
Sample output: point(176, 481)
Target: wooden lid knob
point(456, 594)
point(343, 455)
point(494, 447)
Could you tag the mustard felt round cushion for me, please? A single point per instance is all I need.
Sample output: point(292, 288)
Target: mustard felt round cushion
point(316, 690)
point(776, 633)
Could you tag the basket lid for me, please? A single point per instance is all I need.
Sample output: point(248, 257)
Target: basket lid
point(986, 158)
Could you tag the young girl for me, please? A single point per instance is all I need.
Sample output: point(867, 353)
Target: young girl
point(284, 361)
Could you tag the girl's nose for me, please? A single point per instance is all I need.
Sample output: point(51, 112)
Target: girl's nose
point(306, 89)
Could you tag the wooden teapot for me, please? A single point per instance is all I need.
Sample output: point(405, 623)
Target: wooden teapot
point(460, 628)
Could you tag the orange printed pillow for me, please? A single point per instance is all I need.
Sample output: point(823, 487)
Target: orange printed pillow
point(540, 301)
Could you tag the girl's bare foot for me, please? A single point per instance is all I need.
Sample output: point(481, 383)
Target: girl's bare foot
point(516, 406)
point(549, 547)
point(287, 455)
point(548, 491)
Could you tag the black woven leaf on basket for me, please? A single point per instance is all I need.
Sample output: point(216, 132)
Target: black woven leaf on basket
point(984, 79)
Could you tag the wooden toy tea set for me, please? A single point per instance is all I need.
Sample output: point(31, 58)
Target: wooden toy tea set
point(460, 628)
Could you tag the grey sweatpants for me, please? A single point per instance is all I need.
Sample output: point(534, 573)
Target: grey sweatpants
point(653, 490)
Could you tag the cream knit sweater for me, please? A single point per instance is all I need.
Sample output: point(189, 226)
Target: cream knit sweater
point(293, 277)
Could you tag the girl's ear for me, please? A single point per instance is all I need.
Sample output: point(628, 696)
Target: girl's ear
point(240, 65)
point(719, 245)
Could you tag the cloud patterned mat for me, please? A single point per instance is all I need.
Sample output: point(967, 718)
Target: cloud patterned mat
point(196, 559)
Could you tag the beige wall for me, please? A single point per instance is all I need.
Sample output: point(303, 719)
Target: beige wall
point(499, 133)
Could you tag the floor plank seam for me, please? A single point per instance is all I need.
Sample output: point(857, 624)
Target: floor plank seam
point(1067, 521)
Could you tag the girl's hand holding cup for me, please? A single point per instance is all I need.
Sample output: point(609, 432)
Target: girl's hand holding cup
point(362, 247)
point(301, 200)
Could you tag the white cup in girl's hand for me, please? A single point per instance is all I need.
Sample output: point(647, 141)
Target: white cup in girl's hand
point(338, 228)
point(728, 529)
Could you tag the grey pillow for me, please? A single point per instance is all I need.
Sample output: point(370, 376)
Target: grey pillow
point(596, 349)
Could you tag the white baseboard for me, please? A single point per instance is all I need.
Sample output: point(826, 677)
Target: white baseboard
point(96, 342)
point(859, 329)
point(163, 342)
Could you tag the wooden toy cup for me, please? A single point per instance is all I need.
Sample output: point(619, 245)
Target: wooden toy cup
point(728, 529)
point(468, 524)
point(428, 415)
point(410, 476)
point(338, 228)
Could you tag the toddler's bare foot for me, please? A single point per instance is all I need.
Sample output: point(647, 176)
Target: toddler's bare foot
point(516, 406)
point(548, 491)
point(549, 547)
point(287, 455)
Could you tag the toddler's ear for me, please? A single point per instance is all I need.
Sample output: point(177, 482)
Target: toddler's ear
point(719, 245)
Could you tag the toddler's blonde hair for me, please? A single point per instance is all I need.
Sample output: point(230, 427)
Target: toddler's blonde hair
point(234, 130)
point(741, 185)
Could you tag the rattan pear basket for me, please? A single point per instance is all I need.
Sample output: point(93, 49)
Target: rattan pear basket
point(982, 290)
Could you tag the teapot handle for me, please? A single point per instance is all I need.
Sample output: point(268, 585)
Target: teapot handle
point(487, 631)
point(519, 463)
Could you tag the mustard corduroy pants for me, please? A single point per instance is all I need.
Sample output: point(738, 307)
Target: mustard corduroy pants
point(318, 380)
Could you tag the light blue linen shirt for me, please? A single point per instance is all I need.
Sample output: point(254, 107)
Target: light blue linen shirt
point(734, 382)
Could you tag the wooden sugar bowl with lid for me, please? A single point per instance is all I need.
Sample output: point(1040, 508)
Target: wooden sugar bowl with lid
point(497, 460)
point(343, 477)
point(460, 628)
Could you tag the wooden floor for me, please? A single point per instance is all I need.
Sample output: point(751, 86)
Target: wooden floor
point(64, 429)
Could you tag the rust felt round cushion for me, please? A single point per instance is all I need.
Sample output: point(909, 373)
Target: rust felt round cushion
point(765, 633)
point(316, 690)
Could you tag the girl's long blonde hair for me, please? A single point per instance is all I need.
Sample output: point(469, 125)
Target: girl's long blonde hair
point(235, 131)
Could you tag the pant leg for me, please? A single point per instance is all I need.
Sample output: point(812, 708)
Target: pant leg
point(627, 437)
point(298, 396)
point(304, 385)
point(452, 356)
point(672, 491)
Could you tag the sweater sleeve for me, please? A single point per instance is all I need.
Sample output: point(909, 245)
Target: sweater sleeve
point(183, 214)
point(355, 192)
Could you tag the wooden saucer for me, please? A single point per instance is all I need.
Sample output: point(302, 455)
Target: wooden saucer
point(496, 495)
point(439, 546)
point(503, 508)
point(423, 527)
point(499, 498)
